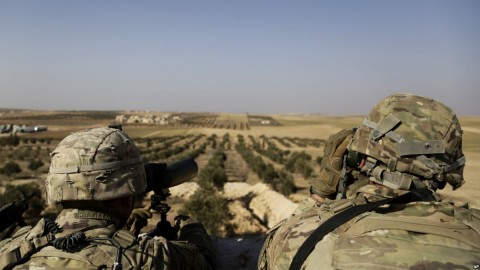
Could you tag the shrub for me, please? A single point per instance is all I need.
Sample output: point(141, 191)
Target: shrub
point(35, 164)
point(213, 175)
point(299, 162)
point(31, 192)
point(209, 208)
point(281, 182)
point(12, 140)
point(284, 183)
point(10, 168)
point(302, 167)
point(214, 172)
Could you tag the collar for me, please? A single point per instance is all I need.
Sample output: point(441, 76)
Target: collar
point(77, 219)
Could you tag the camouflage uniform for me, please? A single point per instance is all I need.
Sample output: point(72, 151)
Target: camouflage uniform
point(406, 143)
point(423, 235)
point(143, 253)
point(88, 167)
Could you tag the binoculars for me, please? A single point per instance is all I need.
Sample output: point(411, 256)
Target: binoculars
point(162, 176)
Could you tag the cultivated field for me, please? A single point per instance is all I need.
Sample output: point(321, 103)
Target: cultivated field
point(277, 152)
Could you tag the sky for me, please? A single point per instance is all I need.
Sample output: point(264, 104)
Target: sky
point(326, 57)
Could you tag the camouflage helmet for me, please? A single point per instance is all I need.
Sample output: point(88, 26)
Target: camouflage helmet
point(95, 164)
point(410, 141)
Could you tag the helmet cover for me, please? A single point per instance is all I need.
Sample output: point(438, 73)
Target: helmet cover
point(95, 164)
point(414, 135)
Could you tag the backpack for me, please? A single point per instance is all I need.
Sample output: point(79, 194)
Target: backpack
point(427, 235)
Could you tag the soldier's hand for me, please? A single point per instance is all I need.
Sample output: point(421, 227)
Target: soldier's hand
point(138, 219)
point(192, 231)
point(165, 229)
point(332, 163)
point(182, 220)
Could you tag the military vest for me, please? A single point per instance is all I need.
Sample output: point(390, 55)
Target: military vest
point(427, 235)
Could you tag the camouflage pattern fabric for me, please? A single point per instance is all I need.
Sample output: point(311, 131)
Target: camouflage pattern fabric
point(421, 235)
point(332, 163)
point(9, 231)
point(137, 220)
point(406, 142)
point(193, 250)
point(415, 135)
point(95, 164)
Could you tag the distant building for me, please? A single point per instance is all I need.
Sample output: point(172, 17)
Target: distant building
point(40, 128)
point(5, 128)
point(147, 119)
point(163, 120)
point(22, 129)
point(134, 119)
point(121, 118)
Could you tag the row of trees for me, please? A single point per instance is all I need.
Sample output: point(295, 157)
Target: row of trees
point(207, 204)
point(213, 121)
point(281, 181)
point(202, 120)
point(147, 143)
point(11, 140)
point(14, 140)
point(299, 162)
point(167, 149)
point(304, 142)
point(282, 141)
point(268, 149)
point(161, 144)
point(12, 168)
point(295, 162)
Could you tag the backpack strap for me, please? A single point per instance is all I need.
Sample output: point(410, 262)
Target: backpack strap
point(23, 248)
point(329, 225)
point(22, 252)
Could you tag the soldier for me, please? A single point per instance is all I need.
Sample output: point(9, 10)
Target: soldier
point(374, 205)
point(94, 176)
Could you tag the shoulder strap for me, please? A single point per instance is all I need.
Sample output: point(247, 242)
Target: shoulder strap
point(23, 251)
point(329, 225)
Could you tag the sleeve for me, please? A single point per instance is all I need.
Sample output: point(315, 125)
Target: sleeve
point(263, 258)
point(193, 248)
point(184, 255)
point(194, 233)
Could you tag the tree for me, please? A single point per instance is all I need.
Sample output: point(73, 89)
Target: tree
point(32, 193)
point(35, 164)
point(209, 208)
point(12, 140)
point(10, 168)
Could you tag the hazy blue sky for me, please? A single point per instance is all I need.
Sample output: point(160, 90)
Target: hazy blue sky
point(330, 57)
